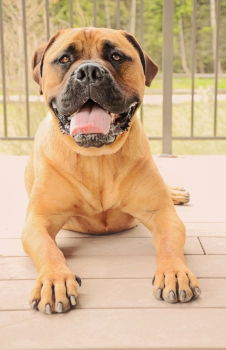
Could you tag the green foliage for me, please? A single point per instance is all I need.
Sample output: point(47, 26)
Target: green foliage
point(83, 13)
point(151, 39)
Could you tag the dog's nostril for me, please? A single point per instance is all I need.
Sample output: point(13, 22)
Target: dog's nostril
point(89, 73)
point(81, 75)
point(97, 74)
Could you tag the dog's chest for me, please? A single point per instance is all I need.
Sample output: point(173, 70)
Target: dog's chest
point(97, 185)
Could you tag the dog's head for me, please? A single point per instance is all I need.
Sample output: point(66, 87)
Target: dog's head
point(93, 80)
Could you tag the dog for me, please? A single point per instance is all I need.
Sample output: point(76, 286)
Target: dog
point(91, 169)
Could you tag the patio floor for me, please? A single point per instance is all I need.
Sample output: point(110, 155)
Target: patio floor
point(116, 307)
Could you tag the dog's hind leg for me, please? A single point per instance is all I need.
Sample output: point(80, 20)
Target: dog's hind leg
point(179, 195)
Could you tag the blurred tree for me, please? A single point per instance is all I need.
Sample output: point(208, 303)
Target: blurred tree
point(133, 17)
point(130, 19)
point(213, 21)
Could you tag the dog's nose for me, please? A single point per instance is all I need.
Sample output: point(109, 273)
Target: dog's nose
point(92, 73)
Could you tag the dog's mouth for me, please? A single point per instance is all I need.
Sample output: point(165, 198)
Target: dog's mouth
point(94, 126)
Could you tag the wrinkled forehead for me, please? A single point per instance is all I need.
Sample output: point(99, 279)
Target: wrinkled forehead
point(90, 40)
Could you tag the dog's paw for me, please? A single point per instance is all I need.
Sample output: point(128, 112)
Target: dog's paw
point(179, 195)
point(176, 285)
point(55, 291)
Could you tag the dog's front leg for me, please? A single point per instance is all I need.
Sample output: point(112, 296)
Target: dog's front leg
point(56, 287)
point(173, 280)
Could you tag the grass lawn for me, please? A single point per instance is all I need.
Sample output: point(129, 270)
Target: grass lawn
point(179, 83)
point(16, 115)
point(203, 126)
point(185, 83)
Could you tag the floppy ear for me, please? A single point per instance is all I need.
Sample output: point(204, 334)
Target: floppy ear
point(149, 66)
point(38, 57)
point(36, 62)
point(151, 69)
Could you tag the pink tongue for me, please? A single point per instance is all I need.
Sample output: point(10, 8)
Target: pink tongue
point(90, 119)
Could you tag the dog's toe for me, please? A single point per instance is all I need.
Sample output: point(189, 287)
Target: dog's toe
point(196, 292)
point(73, 300)
point(171, 297)
point(55, 292)
point(176, 286)
point(59, 307)
point(34, 304)
point(158, 293)
point(48, 309)
point(179, 195)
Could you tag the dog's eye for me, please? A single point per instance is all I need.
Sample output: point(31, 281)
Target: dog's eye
point(65, 59)
point(116, 57)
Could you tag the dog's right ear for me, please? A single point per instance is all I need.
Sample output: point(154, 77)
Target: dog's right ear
point(38, 58)
point(36, 63)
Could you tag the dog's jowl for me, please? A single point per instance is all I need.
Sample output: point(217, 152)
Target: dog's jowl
point(91, 169)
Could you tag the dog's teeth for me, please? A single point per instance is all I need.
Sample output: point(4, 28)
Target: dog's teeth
point(113, 116)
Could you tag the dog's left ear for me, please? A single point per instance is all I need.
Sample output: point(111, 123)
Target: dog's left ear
point(151, 69)
point(149, 66)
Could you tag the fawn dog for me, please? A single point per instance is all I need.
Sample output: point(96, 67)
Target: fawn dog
point(91, 169)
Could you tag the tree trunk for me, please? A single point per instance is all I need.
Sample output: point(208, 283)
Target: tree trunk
point(182, 47)
point(213, 22)
point(107, 14)
point(133, 17)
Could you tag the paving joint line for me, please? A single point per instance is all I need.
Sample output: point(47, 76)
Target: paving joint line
point(199, 240)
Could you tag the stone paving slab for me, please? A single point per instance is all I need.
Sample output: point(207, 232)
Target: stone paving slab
point(214, 245)
point(115, 329)
point(204, 177)
point(115, 294)
point(108, 245)
point(124, 266)
point(210, 229)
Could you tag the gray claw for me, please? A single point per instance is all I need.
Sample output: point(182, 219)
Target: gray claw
point(34, 304)
point(73, 300)
point(182, 296)
point(78, 280)
point(158, 294)
point(153, 280)
point(48, 309)
point(196, 292)
point(59, 307)
point(172, 297)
